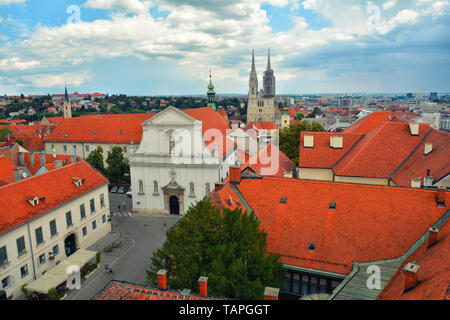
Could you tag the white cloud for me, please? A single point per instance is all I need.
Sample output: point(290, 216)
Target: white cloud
point(124, 6)
point(389, 4)
point(56, 80)
point(17, 63)
point(8, 2)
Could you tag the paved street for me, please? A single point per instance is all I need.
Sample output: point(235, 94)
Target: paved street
point(140, 236)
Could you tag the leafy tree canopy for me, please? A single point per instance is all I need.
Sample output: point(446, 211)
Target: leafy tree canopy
point(225, 245)
point(95, 159)
point(5, 132)
point(118, 166)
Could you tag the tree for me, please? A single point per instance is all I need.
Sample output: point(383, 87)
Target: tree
point(118, 166)
point(290, 138)
point(5, 132)
point(225, 245)
point(299, 116)
point(95, 159)
point(314, 113)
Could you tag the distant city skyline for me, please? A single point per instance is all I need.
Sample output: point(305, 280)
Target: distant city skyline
point(167, 47)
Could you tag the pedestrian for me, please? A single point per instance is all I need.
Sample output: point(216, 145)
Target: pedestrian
point(119, 207)
point(124, 205)
point(110, 269)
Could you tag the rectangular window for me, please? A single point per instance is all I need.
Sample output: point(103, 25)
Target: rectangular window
point(313, 286)
point(3, 256)
point(84, 231)
point(287, 282)
point(55, 250)
point(296, 283)
point(104, 218)
point(304, 283)
point(65, 148)
point(125, 149)
point(82, 211)
point(94, 225)
point(39, 236)
point(69, 219)
point(21, 246)
point(87, 148)
point(24, 271)
point(102, 200)
point(322, 285)
point(6, 282)
point(155, 187)
point(92, 205)
point(41, 259)
point(53, 230)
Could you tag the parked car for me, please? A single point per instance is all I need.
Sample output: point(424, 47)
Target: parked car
point(122, 190)
point(129, 193)
point(114, 189)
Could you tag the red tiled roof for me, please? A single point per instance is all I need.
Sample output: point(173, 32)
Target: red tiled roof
point(56, 186)
point(322, 155)
point(433, 274)
point(438, 161)
point(6, 169)
point(29, 134)
point(49, 160)
point(263, 125)
point(370, 122)
point(381, 151)
point(270, 161)
point(118, 290)
point(369, 223)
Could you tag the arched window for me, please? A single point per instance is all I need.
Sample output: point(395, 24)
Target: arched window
point(155, 187)
point(192, 191)
point(171, 145)
point(208, 189)
point(141, 187)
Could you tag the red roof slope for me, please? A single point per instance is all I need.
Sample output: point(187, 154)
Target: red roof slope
point(56, 186)
point(381, 151)
point(369, 223)
point(6, 169)
point(438, 161)
point(433, 274)
point(370, 122)
point(270, 161)
point(263, 125)
point(322, 155)
point(49, 160)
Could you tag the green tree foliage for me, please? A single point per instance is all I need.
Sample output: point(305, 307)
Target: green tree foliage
point(95, 159)
point(299, 116)
point(315, 113)
point(290, 138)
point(225, 245)
point(118, 166)
point(5, 132)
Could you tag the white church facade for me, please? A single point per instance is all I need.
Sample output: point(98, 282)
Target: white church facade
point(181, 157)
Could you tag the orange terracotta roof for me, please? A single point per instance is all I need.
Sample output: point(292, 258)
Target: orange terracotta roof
point(322, 155)
point(270, 161)
point(438, 161)
point(433, 274)
point(369, 223)
point(263, 125)
point(381, 151)
point(370, 122)
point(119, 290)
point(56, 186)
point(48, 160)
point(6, 169)
point(29, 134)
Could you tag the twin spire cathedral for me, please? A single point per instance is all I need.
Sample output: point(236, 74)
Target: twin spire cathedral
point(261, 104)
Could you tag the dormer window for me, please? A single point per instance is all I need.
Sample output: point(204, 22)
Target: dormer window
point(283, 200)
point(120, 132)
point(77, 181)
point(33, 200)
point(312, 247)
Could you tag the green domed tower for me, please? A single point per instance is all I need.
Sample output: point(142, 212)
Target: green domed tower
point(211, 94)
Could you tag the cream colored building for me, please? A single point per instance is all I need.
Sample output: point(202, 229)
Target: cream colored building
point(42, 240)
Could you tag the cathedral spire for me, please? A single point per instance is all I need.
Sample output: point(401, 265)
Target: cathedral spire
point(66, 95)
point(269, 65)
point(211, 95)
point(253, 61)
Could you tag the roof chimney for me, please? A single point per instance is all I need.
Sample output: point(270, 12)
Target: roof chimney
point(203, 284)
point(235, 174)
point(21, 158)
point(414, 128)
point(18, 173)
point(410, 272)
point(271, 293)
point(440, 197)
point(433, 234)
point(428, 181)
point(428, 148)
point(162, 280)
point(416, 183)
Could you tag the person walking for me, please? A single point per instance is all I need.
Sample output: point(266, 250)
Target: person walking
point(110, 268)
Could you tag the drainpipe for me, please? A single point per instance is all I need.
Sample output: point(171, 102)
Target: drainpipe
point(31, 249)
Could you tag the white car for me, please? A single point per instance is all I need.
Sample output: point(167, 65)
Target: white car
point(129, 193)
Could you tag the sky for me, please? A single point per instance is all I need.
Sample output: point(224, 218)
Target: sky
point(168, 47)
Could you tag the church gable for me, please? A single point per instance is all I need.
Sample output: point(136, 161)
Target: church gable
point(170, 117)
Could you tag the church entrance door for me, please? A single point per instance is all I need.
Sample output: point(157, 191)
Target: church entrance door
point(174, 205)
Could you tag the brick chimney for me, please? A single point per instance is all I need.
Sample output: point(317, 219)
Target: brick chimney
point(21, 158)
point(428, 181)
point(410, 272)
point(203, 284)
point(428, 148)
point(440, 197)
point(416, 183)
point(433, 234)
point(18, 173)
point(235, 174)
point(271, 293)
point(32, 160)
point(162, 280)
